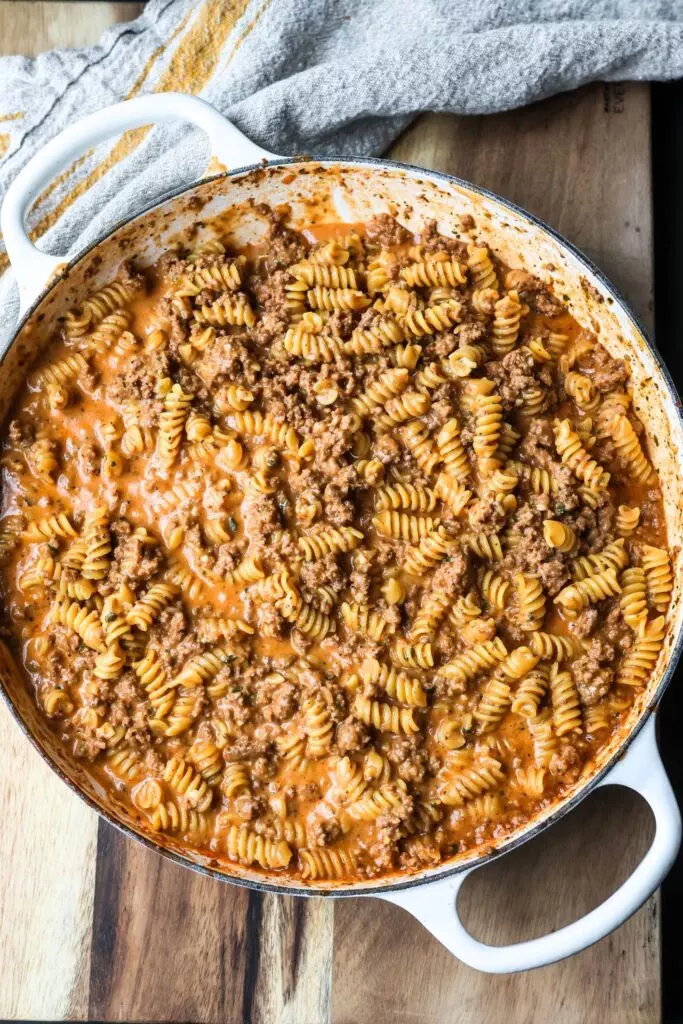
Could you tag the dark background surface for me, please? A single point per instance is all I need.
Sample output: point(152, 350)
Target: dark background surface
point(667, 166)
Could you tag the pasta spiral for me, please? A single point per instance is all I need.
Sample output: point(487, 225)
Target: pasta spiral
point(306, 617)
point(247, 847)
point(403, 407)
point(508, 313)
point(545, 741)
point(228, 310)
point(486, 545)
point(403, 526)
point(186, 782)
point(495, 701)
point(481, 267)
point(452, 452)
point(413, 655)
point(389, 384)
point(471, 781)
point(235, 780)
point(172, 424)
point(559, 536)
point(531, 602)
point(432, 611)
point(565, 701)
point(488, 425)
point(613, 556)
point(531, 692)
point(572, 452)
point(474, 662)
point(81, 620)
point(362, 619)
point(415, 436)
point(634, 598)
point(452, 493)
point(582, 390)
point(462, 611)
point(553, 647)
point(327, 275)
point(95, 565)
point(659, 576)
point(153, 679)
point(629, 448)
point(430, 550)
point(411, 497)
point(384, 717)
point(595, 588)
point(318, 724)
point(465, 360)
point(627, 520)
point(148, 608)
point(433, 319)
point(397, 685)
point(321, 863)
point(201, 668)
point(333, 299)
point(382, 332)
point(641, 659)
point(327, 542)
point(432, 272)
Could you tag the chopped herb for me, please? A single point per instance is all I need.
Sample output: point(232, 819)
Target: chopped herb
point(565, 298)
point(110, 617)
point(232, 525)
point(560, 509)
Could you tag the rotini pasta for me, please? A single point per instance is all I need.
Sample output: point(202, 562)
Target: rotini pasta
point(301, 563)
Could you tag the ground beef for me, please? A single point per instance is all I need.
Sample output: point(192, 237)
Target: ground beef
point(284, 701)
point(539, 443)
point(608, 374)
point(585, 622)
point(566, 762)
point(89, 459)
point(351, 735)
point(137, 562)
point(486, 515)
point(517, 374)
point(260, 517)
point(325, 572)
point(534, 292)
point(227, 358)
point(322, 828)
point(269, 621)
point(386, 231)
point(140, 378)
point(530, 554)
point(170, 628)
point(408, 756)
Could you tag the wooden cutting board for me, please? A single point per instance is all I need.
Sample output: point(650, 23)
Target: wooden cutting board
point(92, 926)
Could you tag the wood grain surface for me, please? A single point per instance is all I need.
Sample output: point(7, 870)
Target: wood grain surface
point(92, 926)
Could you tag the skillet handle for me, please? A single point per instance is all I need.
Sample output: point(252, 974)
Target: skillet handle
point(435, 905)
point(34, 268)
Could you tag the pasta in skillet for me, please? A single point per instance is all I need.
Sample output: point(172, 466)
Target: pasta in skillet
point(336, 558)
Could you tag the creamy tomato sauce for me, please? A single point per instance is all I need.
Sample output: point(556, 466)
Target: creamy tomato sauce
point(336, 557)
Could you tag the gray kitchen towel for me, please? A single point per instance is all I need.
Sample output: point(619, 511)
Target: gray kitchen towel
point(317, 76)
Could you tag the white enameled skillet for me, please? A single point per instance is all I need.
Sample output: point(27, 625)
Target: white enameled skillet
point(353, 191)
